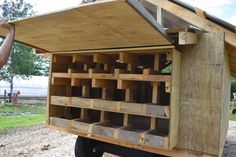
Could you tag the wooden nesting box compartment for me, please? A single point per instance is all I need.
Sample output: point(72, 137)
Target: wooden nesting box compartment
point(130, 96)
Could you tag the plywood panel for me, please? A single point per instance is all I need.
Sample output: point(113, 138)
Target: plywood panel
point(108, 24)
point(201, 94)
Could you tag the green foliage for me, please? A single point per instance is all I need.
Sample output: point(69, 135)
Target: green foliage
point(22, 61)
point(12, 122)
point(233, 117)
point(233, 87)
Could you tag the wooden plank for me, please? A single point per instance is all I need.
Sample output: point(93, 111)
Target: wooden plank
point(195, 20)
point(105, 105)
point(121, 84)
point(104, 59)
point(116, 51)
point(125, 57)
point(200, 13)
point(154, 140)
point(59, 122)
point(174, 100)
point(62, 59)
point(82, 59)
point(103, 116)
point(156, 62)
point(85, 91)
point(81, 102)
point(61, 81)
point(225, 101)
point(61, 75)
point(80, 82)
point(187, 38)
point(155, 92)
point(80, 75)
point(59, 100)
point(176, 152)
point(141, 77)
point(201, 98)
point(104, 129)
point(103, 83)
point(137, 30)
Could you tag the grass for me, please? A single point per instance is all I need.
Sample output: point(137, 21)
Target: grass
point(34, 109)
point(10, 122)
point(233, 117)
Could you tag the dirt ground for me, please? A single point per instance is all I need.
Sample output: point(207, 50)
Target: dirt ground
point(38, 141)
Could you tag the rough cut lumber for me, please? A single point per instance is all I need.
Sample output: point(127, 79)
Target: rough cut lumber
point(88, 28)
point(186, 38)
point(201, 100)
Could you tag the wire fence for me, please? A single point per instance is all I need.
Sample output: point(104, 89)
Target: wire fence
point(28, 95)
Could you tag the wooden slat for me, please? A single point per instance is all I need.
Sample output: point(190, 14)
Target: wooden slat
point(113, 106)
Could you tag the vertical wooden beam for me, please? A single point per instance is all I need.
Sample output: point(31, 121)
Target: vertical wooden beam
point(159, 15)
point(155, 92)
point(85, 91)
point(83, 113)
point(103, 116)
point(156, 62)
point(153, 123)
point(126, 116)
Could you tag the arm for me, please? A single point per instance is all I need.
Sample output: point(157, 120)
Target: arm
point(5, 49)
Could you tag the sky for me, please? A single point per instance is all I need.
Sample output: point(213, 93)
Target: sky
point(224, 9)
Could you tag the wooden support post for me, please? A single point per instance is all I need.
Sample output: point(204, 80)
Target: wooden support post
point(128, 94)
point(85, 91)
point(83, 113)
point(103, 116)
point(153, 123)
point(126, 119)
point(155, 92)
point(156, 62)
point(167, 87)
point(159, 15)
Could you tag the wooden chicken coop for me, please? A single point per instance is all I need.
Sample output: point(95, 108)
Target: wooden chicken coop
point(149, 75)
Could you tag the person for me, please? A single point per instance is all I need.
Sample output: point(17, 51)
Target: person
point(5, 48)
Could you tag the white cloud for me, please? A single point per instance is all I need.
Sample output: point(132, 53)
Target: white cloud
point(208, 3)
point(232, 20)
point(44, 6)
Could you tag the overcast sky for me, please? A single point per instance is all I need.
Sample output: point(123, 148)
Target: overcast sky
point(225, 9)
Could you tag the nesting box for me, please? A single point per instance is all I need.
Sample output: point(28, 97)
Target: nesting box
point(118, 76)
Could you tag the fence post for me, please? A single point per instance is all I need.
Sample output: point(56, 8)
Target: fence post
point(4, 98)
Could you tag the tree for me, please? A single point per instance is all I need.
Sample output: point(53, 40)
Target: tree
point(22, 61)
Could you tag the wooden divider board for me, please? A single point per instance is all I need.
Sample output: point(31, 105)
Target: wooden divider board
point(100, 25)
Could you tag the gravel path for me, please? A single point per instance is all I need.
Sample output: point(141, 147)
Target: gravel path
point(38, 141)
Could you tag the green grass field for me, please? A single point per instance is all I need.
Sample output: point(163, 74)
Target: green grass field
point(9, 122)
point(233, 117)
